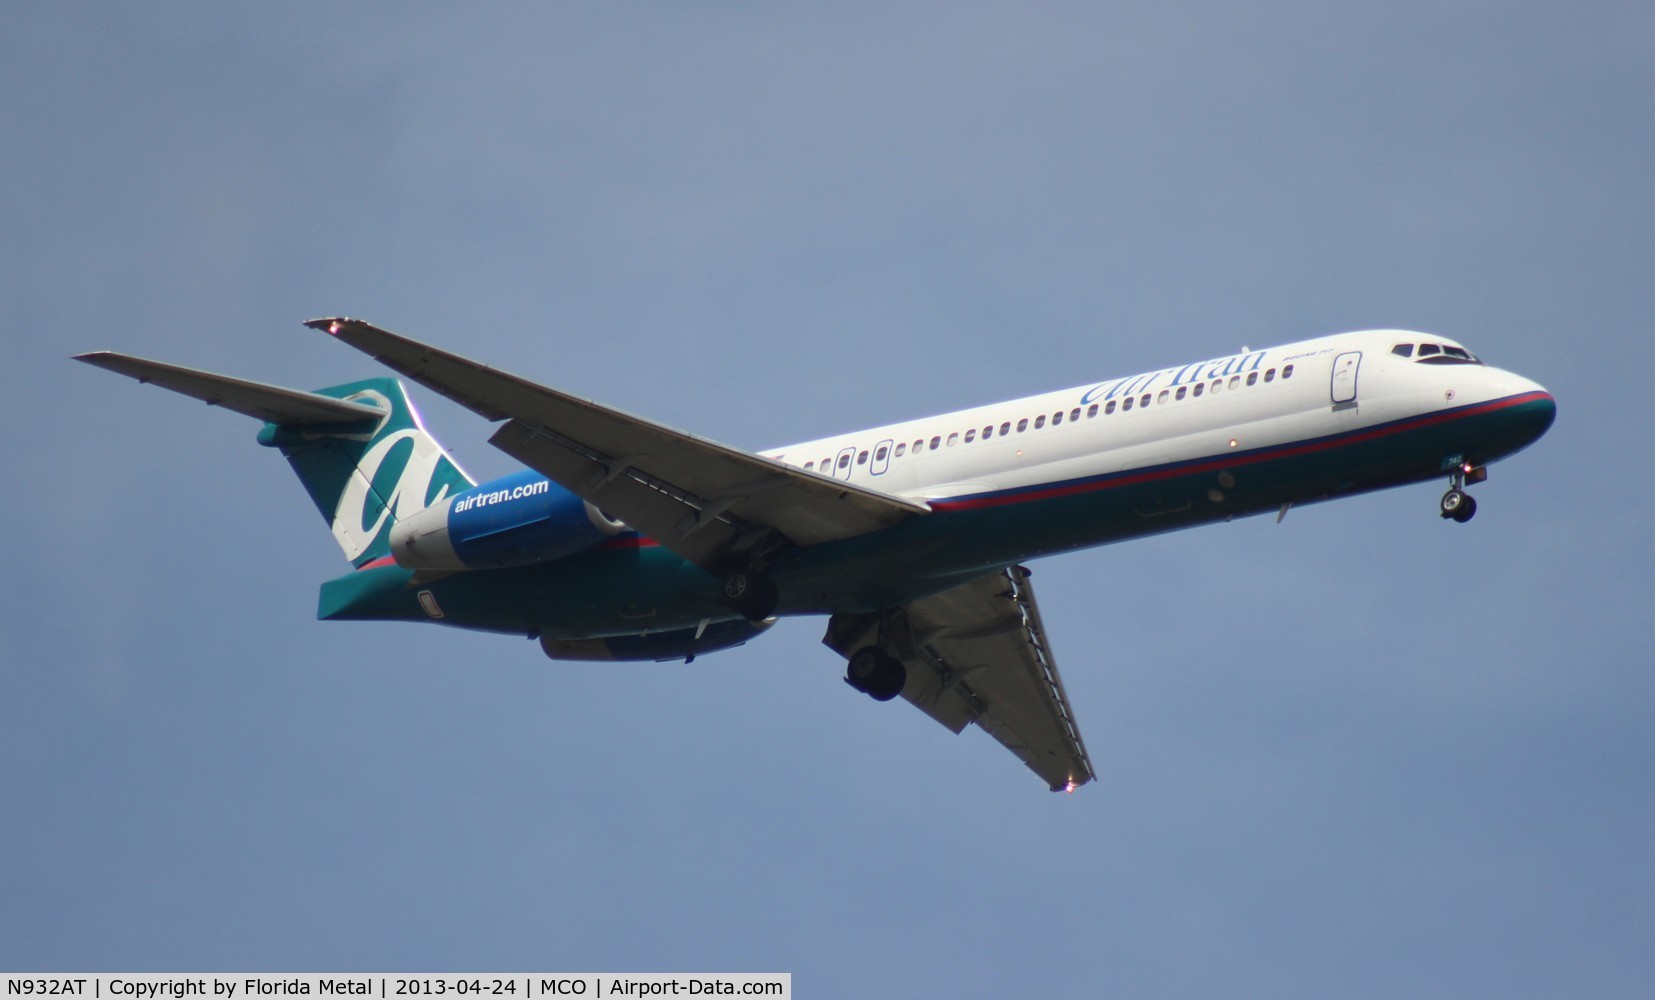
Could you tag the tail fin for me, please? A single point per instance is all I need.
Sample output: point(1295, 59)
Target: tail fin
point(360, 449)
point(364, 477)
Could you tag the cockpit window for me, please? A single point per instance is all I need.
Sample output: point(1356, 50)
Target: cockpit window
point(1445, 354)
point(1403, 350)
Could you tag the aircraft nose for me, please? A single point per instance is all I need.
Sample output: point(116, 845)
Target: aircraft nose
point(1531, 411)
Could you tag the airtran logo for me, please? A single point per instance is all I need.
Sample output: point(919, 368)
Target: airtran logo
point(393, 479)
point(501, 496)
point(1200, 371)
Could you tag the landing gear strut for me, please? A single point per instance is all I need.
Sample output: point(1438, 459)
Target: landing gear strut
point(876, 673)
point(1457, 504)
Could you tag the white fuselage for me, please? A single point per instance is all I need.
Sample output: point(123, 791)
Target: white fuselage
point(1247, 401)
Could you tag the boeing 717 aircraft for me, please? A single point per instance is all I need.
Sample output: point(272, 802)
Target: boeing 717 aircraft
point(627, 540)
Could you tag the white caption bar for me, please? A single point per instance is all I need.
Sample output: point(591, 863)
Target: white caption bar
point(403, 986)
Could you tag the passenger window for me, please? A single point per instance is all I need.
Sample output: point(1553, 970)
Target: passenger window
point(1040, 421)
point(1109, 408)
point(1252, 378)
point(1143, 400)
point(1235, 381)
point(1270, 375)
point(936, 443)
point(1022, 425)
point(1428, 349)
point(953, 439)
point(971, 435)
point(809, 466)
point(1287, 372)
point(1127, 405)
point(1074, 414)
point(844, 460)
point(1091, 411)
point(919, 446)
point(1057, 418)
point(901, 449)
point(988, 432)
point(1198, 387)
point(1163, 396)
point(1403, 350)
point(1005, 428)
point(1180, 393)
point(862, 459)
point(879, 456)
point(1217, 385)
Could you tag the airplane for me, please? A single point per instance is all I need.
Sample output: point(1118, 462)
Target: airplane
point(623, 539)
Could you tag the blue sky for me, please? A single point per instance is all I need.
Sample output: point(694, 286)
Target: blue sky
point(1364, 752)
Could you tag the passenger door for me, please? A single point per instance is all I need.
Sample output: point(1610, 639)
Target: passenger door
point(1344, 377)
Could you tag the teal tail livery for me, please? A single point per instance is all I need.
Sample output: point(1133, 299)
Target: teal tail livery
point(367, 477)
point(623, 539)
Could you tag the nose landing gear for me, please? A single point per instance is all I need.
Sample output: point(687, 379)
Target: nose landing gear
point(1457, 504)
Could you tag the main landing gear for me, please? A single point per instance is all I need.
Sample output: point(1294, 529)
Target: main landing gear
point(876, 673)
point(1457, 504)
point(750, 595)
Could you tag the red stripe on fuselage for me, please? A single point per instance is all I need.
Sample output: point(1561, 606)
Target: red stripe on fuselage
point(1111, 480)
point(630, 542)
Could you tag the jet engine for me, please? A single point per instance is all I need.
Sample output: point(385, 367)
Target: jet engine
point(513, 521)
point(677, 644)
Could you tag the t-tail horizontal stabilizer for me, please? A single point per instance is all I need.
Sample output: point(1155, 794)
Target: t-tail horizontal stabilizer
point(270, 403)
point(359, 448)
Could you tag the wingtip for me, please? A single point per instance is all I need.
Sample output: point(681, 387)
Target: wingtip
point(1068, 785)
point(328, 324)
point(102, 359)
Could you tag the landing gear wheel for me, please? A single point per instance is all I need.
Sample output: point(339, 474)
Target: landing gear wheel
point(750, 594)
point(862, 667)
point(875, 673)
point(1458, 505)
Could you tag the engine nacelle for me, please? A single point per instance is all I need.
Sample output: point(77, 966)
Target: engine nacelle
point(678, 644)
point(513, 521)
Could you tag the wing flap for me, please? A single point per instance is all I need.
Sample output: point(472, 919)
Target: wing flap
point(693, 495)
point(270, 403)
point(978, 653)
point(659, 512)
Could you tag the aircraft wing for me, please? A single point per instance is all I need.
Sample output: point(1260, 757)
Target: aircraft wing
point(696, 497)
point(978, 653)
